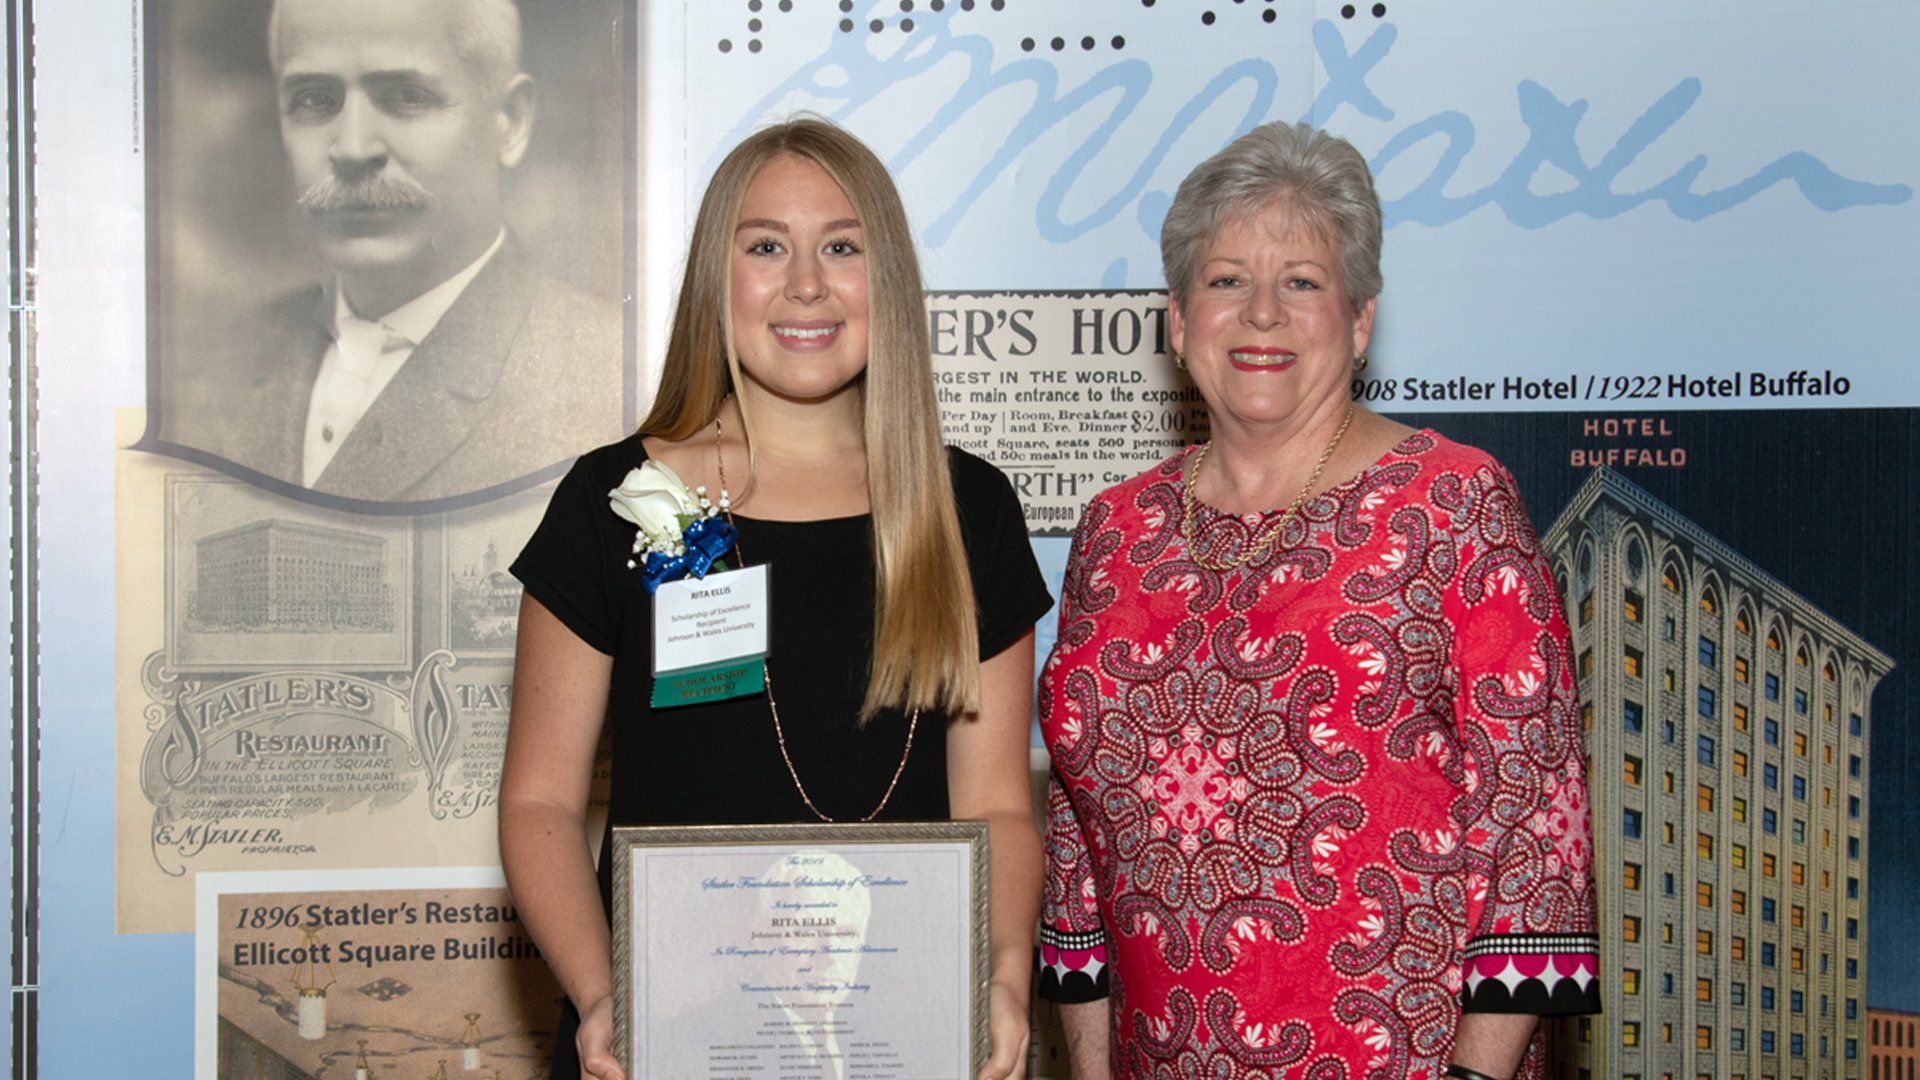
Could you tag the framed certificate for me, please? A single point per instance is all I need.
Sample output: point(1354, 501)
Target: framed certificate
point(841, 952)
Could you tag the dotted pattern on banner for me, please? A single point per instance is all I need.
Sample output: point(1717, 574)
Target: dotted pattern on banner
point(882, 18)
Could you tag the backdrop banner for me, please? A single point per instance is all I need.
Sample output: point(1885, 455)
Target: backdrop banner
point(1658, 259)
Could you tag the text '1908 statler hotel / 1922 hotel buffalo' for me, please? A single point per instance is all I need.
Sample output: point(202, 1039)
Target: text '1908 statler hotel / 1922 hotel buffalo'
point(1727, 723)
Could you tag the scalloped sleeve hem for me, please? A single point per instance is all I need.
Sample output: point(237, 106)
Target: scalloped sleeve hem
point(1537, 974)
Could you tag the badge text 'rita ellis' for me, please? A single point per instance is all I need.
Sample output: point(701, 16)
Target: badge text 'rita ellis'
point(710, 637)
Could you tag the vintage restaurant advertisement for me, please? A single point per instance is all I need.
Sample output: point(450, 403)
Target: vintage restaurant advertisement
point(363, 974)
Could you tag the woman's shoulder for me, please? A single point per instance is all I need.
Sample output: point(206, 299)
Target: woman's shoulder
point(609, 464)
point(985, 497)
point(973, 473)
point(1166, 471)
point(1442, 456)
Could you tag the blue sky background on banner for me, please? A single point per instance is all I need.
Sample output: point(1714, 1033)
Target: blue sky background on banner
point(1597, 188)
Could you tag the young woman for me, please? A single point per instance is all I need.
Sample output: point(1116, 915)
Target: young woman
point(798, 394)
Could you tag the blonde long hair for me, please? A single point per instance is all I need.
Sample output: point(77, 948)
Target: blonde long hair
point(925, 639)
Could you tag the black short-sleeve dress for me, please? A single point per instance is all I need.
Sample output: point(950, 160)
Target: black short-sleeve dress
point(719, 763)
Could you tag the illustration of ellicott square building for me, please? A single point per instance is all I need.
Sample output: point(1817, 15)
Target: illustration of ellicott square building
point(1727, 722)
point(275, 574)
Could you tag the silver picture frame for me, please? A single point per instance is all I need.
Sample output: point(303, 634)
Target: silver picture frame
point(825, 944)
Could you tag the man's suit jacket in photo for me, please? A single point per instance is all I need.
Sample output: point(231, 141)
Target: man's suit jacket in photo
point(521, 373)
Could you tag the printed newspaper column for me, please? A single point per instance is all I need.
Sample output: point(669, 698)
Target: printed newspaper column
point(1068, 392)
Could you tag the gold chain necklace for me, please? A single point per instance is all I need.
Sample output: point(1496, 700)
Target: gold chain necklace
point(1258, 551)
point(766, 675)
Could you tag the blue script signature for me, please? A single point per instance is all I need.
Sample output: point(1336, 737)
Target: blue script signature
point(848, 75)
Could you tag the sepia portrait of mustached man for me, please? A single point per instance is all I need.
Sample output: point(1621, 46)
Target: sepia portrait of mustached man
point(388, 242)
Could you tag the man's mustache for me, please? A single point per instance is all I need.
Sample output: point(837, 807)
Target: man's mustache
point(332, 195)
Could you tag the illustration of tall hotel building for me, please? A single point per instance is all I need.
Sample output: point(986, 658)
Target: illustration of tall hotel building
point(1727, 722)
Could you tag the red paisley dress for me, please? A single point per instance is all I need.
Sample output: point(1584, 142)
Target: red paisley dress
point(1305, 812)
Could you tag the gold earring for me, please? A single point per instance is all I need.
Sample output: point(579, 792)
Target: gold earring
point(1179, 361)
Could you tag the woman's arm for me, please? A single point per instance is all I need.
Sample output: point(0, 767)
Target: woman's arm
point(1073, 949)
point(1492, 1044)
point(560, 688)
point(987, 781)
point(1523, 800)
point(1088, 1026)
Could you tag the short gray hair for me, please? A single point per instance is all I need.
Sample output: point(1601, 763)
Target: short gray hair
point(1321, 178)
point(485, 34)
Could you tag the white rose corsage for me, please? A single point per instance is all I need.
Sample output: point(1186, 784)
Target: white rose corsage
point(678, 531)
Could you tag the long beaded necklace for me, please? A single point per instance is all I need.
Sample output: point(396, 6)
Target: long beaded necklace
point(779, 733)
point(1258, 551)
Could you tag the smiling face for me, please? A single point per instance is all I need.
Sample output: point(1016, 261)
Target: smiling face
point(396, 141)
point(798, 280)
point(1267, 329)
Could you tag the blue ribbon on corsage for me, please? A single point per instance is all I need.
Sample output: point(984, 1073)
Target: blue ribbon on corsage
point(706, 539)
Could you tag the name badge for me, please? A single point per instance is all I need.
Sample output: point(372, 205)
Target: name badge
point(710, 637)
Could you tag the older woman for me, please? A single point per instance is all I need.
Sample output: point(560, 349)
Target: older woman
point(1317, 806)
